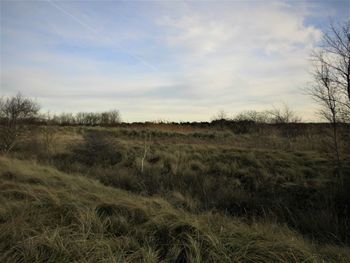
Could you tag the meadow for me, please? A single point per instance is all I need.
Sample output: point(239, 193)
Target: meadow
point(160, 192)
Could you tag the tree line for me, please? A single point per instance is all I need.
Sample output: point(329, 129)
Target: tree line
point(106, 118)
point(18, 112)
point(282, 115)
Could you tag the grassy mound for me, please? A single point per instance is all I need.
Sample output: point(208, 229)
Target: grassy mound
point(50, 216)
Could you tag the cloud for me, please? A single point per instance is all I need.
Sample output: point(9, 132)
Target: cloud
point(177, 60)
point(193, 32)
point(271, 27)
point(257, 54)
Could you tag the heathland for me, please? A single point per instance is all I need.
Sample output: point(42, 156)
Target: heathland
point(209, 192)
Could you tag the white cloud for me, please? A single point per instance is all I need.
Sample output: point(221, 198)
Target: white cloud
point(273, 27)
point(258, 54)
point(200, 36)
point(208, 56)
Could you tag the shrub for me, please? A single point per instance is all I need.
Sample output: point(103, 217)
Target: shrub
point(98, 149)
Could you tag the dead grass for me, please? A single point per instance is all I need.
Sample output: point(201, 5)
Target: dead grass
point(50, 216)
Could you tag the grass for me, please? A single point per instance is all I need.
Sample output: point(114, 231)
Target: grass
point(51, 216)
point(80, 194)
point(293, 187)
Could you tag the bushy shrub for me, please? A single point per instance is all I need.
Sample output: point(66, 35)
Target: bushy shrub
point(97, 149)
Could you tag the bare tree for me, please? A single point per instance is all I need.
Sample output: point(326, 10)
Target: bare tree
point(221, 115)
point(114, 117)
point(15, 112)
point(337, 46)
point(220, 119)
point(253, 115)
point(332, 78)
point(325, 92)
point(283, 115)
point(277, 115)
point(109, 118)
point(334, 57)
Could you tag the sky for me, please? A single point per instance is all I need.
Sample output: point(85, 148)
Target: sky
point(164, 60)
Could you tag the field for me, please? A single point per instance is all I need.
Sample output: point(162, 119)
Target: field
point(175, 131)
point(175, 193)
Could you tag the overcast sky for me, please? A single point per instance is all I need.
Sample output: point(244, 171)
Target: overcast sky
point(171, 60)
